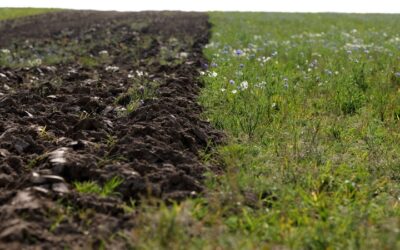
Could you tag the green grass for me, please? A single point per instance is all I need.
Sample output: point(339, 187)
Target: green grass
point(10, 13)
point(313, 155)
point(91, 187)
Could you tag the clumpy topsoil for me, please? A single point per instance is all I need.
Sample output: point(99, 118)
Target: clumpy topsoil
point(91, 96)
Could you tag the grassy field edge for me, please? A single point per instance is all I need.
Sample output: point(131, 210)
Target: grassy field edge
point(11, 13)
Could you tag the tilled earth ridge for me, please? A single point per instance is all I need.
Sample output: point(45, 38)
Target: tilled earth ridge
point(89, 96)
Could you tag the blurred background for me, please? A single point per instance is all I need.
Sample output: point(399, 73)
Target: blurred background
point(348, 6)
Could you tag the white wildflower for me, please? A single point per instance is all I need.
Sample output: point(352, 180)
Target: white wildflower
point(260, 85)
point(264, 59)
point(213, 74)
point(244, 85)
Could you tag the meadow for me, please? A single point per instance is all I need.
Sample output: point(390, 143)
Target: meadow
point(311, 106)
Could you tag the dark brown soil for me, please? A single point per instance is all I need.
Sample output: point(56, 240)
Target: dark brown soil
point(63, 120)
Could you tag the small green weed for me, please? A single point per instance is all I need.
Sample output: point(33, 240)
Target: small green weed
point(92, 187)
